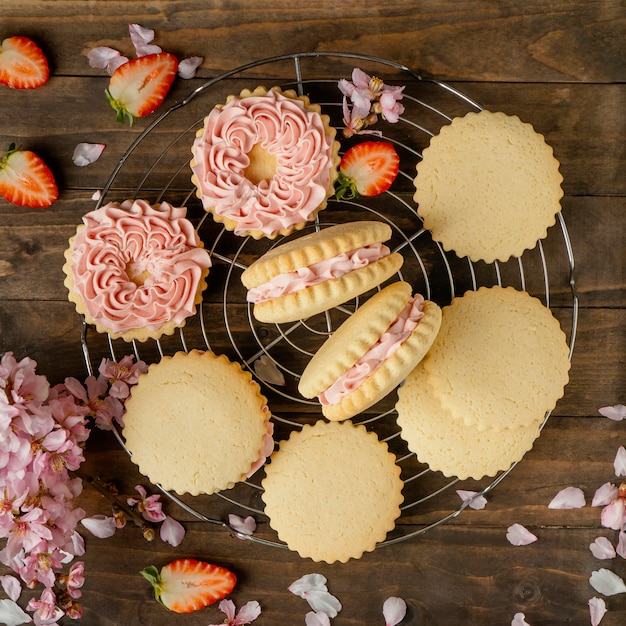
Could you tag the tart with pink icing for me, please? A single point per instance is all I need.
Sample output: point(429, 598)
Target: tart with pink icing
point(310, 274)
point(136, 271)
point(372, 352)
point(265, 162)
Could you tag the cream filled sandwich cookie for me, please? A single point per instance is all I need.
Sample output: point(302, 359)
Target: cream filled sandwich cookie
point(372, 352)
point(332, 491)
point(318, 271)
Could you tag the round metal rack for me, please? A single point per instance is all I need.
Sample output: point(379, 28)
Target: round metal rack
point(547, 271)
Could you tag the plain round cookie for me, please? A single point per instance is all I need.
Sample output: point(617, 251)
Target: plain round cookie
point(195, 423)
point(500, 360)
point(488, 186)
point(360, 332)
point(332, 491)
point(448, 445)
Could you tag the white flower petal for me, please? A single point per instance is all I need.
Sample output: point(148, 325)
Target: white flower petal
point(518, 535)
point(267, 370)
point(245, 526)
point(312, 588)
point(620, 462)
point(597, 609)
point(308, 582)
point(101, 526)
point(606, 582)
point(141, 38)
point(12, 615)
point(615, 413)
point(568, 498)
point(249, 612)
point(519, 619)
point(316, 619)
point(602, 548)
point(97, 194)
point(12, 586)
point(604, 495)
point(86, 153)
point(475, 501)
point(621, 544)
point(172, 531)
point(187, 67)
point(394, 610)
point(115, 63)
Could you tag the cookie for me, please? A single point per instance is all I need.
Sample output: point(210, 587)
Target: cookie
point(196, 423)
point(318, 271)
point(488, 186)
point(372, 352)
point(332, 491)
point(447, 444)
point(500, 360)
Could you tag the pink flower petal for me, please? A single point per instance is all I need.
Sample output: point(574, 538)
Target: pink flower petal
point(248, 612)
point(518, 535)
point(605, 495)
point(568, 498)
point(606, 582)
point(602, 548)
point(614, 515)
point(245, 526)
point(187, 67)
point(597, 609)
point(141, 38)
point(394, 610)
point(621, 544)
point(316, 619)
point(620, 462)
point(312, 588)
point(86, 153)
point(475, 502)
point(615, 413)
point(11, 586)
point(519, 619)
point(101, 526)
point(96, 195)
point(100, 57)
point(115, 63)
point(172, 531)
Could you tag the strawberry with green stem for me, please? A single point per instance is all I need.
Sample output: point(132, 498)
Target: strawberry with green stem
point(187, 585)
point(26, 180)
point(140, 85)
point(22, 64)
point(367, 169)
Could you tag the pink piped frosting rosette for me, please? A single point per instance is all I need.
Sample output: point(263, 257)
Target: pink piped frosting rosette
point(293, 134)
point(135, 270)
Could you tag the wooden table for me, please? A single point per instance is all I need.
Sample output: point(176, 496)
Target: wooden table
point(557, 65)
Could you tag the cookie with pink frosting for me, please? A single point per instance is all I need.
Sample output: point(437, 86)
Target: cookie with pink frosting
point(265, 162)
point(372, 352)
point(313, 273)
point(136, 271)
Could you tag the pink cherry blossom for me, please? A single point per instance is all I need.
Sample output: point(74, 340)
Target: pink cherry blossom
point(518, 535)
point(568, 498)
point(46, 610)
point(172, 531)
point(75, 579)
point(150, 507)
point(597, 609)
point(122, 375)
point(388, 104)
point(246, 614)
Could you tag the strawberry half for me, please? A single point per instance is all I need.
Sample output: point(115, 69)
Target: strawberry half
point(22, 64)
point(367, 169)
point(140, 85)
point(26, 180)
point(187, 585)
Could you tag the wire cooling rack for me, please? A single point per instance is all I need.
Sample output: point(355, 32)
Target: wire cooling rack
point(224, 322)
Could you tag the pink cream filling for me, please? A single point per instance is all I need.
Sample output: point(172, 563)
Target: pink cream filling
point(303, 277)
point(389, 342)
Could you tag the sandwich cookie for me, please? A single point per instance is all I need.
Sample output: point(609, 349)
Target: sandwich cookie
point(372, 352)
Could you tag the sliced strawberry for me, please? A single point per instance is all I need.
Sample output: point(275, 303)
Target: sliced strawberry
point(140, 85)
point(367, 169)
point(26, 180)
point(186, 585)
point(22, 64)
